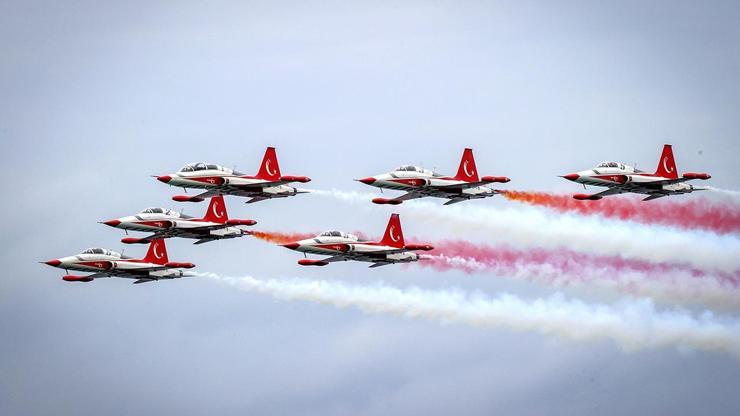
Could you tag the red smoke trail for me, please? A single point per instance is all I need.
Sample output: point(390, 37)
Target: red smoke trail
point(556, 263)
point(280, 238)
point(695, 213)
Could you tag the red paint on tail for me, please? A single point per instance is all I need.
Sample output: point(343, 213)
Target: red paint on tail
point(467, 171)
point(157, 253)
point(393, 236)
point(217, 210)
point(666, 164)
point(269, 170)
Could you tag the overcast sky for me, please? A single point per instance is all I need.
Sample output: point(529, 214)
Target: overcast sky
point(95, 98)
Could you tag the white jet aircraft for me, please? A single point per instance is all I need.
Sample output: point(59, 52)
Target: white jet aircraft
point(106, 263)
point(419, 183)
point(343, 247)
point(621, 178)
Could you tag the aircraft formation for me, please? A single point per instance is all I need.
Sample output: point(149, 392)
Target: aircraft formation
point(217, 181)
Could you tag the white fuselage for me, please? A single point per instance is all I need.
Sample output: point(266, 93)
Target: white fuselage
point(173, 224)
point(116, 265)
point(227, 181)
point(353, 248)
point(624, 175)
point(415, 181)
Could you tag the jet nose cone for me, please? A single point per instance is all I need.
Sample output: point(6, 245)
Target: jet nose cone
point(291, 246)
point(53, 263)
point(571, 176)
point(112, 223)
point(366, 181)
point(164, 178)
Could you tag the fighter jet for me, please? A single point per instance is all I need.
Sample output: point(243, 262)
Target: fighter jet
point(342, 247)
point(419, 183)
point(621, 178)
point(107, 263)
point(217, 180)
point(164, 223)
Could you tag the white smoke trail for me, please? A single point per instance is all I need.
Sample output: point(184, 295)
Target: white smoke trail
point(522, 226)
point(631, 324)
point(668, 288)
point(724, 192)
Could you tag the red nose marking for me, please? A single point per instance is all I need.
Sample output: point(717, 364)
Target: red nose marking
point(164, 178)
point(112, 223)
point(571, 177)
point(291, 246)
point(54, 263)
point(367, 181)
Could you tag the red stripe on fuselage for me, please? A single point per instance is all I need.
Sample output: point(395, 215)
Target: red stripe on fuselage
point(210, 180)
point(612, 178)
point(336, 247)
point(156, 223)
point(410, 181)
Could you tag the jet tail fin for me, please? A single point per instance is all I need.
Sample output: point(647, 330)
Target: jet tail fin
point(467, 171)
point(269, 170)
point(216, 210)
point(157, 253)
point(393, 233)
point(666, 164)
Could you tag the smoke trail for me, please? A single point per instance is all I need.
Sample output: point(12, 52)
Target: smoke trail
point(724, 192)
point(528, 227)
point(670, 282)
point(565, 268)
point(280, 238)
point(701, 213)
point(631, 324)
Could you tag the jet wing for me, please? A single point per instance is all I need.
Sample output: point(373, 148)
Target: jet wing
point(418, 193)
point(670, 181)
point(208, 194)
point(199, 232)
point(654, 196)
point(460, 186)
point(254, 191)
point(411, 195)
point(613, 191)
point(98, 275)
point(379, 263)
point(334, 259)
point(374, 257)
point(450, 192)
point(455, 201)
point(205, 240)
